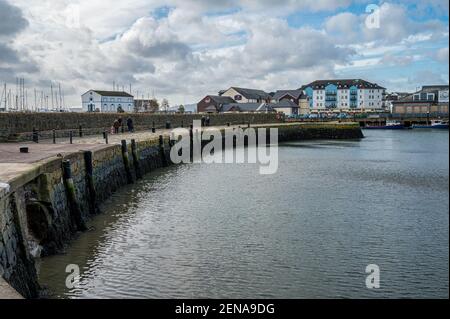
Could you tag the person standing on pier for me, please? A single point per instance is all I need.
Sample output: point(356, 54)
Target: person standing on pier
point(116, 126)
point(130, 125)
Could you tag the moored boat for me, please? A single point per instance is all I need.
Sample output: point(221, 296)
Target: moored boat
point(434, 125)
point(390, 125)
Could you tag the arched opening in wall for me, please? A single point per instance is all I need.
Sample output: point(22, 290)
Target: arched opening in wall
point(39, 220)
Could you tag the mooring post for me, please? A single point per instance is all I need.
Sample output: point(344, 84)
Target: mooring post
point(168, 125)
point(105, 136)
point(89, 165)
point(54, 136)
point(35, 136)
point(228, 124)
point(71, 137)
point(80, 130)
point(74, 207)
point(153, 128)
point(182, 123)
point(162, 151)
point(126, 162)
point(191, 142)
point(136, 164)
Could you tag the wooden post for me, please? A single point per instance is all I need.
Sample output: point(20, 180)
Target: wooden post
point(153, 128)
point(89, 165)
point(80, 130)
point(74, 207)
point(35, 136)
point(71, 137)
point(126, 162)
point(136, 164)
point(54, 136)
point(162, 151)
point(191, 142)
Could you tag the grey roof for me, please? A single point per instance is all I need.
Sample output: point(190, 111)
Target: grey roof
point(284, 104)
point(434, 87)
point(425, 89)
point(342, 84)
point(251, 93)
point(221, 99)
point(112, 93)
point(296, 94)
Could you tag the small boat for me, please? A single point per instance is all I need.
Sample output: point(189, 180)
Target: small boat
point(434, 125)
point(390, 125)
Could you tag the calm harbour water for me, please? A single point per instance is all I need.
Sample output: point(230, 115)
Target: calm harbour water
point(224, 231)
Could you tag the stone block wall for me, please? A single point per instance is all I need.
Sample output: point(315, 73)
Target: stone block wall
point(19, 126)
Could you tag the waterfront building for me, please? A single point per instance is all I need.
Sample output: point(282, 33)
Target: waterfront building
point(242, 95)
point(430, 100)
point(107, 101)
point(344, 95)
point(298, 97)
point(213, 103)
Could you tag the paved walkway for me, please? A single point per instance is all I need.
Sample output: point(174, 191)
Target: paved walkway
point(6, 292)
point(13, 163)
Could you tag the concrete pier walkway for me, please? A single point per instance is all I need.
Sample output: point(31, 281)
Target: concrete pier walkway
point(14, 164)
point(6, 292)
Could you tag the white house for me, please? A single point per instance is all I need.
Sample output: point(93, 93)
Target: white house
point(107, 101)
point(353, 94)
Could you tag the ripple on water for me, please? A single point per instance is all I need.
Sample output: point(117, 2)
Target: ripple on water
point(224, 231)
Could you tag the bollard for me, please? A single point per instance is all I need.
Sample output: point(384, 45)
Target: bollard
point(191, 143)
point(182, 123)
point(35, 136)
point(88, 160)
point(126, 162)
point(136, 164)
point(153, 128)
point(168, 125)
point(74, 207)
point(123, 128)
point(80, 131)
point(71, 137)
point(228, 124)
point(162, 151)
point(105, 136)
point(54, 136)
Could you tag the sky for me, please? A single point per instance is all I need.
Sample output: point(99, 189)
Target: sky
point(183, 50)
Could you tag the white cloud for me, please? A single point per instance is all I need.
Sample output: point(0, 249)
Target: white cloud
point(191, 52)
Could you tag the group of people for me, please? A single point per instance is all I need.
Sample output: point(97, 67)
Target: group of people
point(118, 123)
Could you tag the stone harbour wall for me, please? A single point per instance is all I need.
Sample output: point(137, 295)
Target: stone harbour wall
point(19, 126)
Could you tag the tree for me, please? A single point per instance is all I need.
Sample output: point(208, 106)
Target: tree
point(181, 109)
point(153, 106)
point(165, 105)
